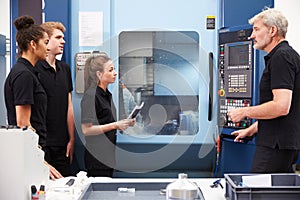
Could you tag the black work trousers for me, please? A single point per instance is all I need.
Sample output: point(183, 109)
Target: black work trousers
point(274, 160)
point(56, 156)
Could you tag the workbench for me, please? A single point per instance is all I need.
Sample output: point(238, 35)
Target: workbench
point(100, 187)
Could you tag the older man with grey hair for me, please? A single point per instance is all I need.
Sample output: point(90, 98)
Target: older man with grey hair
point(278, 113)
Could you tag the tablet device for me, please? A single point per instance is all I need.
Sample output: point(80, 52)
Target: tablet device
point(135, 111)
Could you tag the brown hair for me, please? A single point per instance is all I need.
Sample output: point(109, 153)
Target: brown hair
point(92, 65)
point(27, 31)
point(50, 26)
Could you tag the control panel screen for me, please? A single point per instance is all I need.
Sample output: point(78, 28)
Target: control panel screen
point(239, 55)
point(235, 81)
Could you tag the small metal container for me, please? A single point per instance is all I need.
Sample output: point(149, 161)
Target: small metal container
point(182, 189)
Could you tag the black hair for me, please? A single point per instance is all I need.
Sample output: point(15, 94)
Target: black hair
point(27, 32)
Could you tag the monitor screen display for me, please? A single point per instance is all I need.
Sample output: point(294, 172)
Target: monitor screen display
point(239, 55)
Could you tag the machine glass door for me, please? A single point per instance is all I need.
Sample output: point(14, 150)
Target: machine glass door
point(161, 70)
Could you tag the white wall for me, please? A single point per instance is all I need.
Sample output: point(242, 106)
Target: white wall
point(290, 9)
point(4, 19)
point(4, 28)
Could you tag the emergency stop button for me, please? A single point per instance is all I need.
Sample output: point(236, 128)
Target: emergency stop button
point(221, 92)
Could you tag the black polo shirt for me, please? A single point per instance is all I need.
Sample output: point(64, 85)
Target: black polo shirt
point(57, 85)
point(97, 108)
point(23, 88)
point(282, 71)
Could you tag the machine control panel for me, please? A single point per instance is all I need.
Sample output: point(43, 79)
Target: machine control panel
point(235, 69)
point(228, 104)
point(235, 80)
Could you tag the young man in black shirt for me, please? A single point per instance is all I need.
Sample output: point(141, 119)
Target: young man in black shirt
point(55, 76)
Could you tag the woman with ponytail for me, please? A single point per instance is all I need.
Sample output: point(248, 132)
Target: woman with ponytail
point(98, 116)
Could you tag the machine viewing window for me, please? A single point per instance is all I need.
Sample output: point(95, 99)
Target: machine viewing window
point(160, 68)
point(243, 55)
